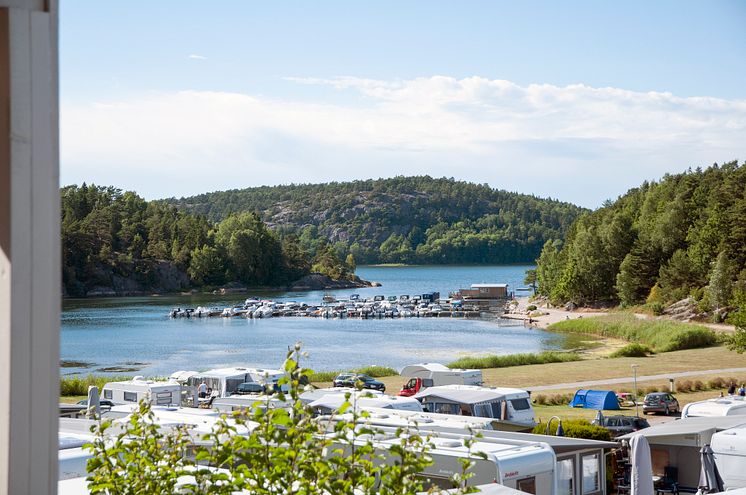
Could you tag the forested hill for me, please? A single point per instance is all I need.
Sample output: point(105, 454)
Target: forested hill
point(659, 243)
point(401, 220)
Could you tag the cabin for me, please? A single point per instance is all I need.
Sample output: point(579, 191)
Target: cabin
point(485, 291)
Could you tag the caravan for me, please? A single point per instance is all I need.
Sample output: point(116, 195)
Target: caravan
point(224, 382)
point(159, 393)
point(732, 405)
point(426, 375)
point(511, 406)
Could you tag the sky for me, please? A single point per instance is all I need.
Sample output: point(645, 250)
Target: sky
point(576, 100)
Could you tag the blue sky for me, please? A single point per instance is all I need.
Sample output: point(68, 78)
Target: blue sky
point(573, 100)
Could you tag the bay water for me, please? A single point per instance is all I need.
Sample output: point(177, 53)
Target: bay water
point(135, 336)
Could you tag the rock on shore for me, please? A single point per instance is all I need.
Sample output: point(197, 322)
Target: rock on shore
point(317, 281)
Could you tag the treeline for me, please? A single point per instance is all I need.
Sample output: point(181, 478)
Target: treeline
point(400, 220)
point(659, 243)
point(111, 237)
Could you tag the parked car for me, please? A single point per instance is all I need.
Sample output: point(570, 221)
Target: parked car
point(621, 425)
point(250, 388)
point(660, 402)
point(349, 380)
point(102, 402)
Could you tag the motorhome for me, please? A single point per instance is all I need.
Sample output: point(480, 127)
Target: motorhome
point(224, 381)
point(511, 406)
point(426, 375)
point(732, 405)
point(729, 448)
point(159, 393)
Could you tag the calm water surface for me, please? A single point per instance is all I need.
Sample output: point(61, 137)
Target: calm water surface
point(135, 332)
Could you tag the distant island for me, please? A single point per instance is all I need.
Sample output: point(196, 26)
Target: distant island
point(310, 236)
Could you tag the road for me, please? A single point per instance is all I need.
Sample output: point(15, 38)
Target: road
point(629, 379)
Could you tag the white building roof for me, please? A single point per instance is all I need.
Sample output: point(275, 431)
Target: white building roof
point(695, 432)
point(468, 394)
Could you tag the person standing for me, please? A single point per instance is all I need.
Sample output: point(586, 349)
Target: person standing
point(732, 388)
point(202, 390)
point(742, 390)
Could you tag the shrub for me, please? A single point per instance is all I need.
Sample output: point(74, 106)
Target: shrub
point(698, 386)
point(684, 386)
point(531, 307)
point(576, 428)
point(716, 383)
point(651, 390)
point(482, 362)
point(660, 335)
point(632, 350)
point(657, 308)
point(540, 399)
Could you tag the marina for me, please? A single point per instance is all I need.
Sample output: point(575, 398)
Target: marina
point(134, 335)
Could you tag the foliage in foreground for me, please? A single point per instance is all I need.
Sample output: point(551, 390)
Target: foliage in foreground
point(576, 428)
point(265, 450)
point(484, 362)
point(660, 335)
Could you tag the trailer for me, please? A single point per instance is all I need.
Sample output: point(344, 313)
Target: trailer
point(424, 375)
point(158, 393)
point(224, 381)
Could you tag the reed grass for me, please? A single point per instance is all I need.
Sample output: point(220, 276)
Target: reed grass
point(78, 385)
point(660, 335)
point(492, 361)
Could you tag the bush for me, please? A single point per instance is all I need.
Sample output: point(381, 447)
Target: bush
point(632, 350)
point(540, 399)
point(651, 390)
point(576, 428)
point(531, 307)
point(660, 335)
point(698, 386)
point(684, 386)
point(716, 383)
point(657, 308)
point(483, 362)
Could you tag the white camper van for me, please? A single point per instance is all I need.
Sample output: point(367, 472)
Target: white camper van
point(732, 405)
point(159, 393)
point(729, 447)
point(425, 375)
point(511, 406)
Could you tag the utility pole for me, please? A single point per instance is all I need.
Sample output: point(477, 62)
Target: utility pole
point(634, 371)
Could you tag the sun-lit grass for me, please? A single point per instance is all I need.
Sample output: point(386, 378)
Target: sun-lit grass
point(661, 335)
point(482, 362)
point(78, 385)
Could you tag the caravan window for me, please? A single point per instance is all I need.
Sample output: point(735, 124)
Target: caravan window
point(444, 408)
point(482, 410)
point(591, 482)
point(130, 397)
point(163, 398)
point(496, 409)
point(520, 404)
point(107, 394)
point(527, 485)
point(565, 476)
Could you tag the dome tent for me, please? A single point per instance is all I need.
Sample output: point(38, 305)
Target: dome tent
point(595, 399)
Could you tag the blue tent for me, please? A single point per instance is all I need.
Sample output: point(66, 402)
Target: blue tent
point(595, 399)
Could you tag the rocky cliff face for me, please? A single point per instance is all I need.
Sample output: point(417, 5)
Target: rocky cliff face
point(148, 277)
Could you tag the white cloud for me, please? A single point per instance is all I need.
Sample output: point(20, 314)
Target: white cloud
point(577, 143)
point(195, 56)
